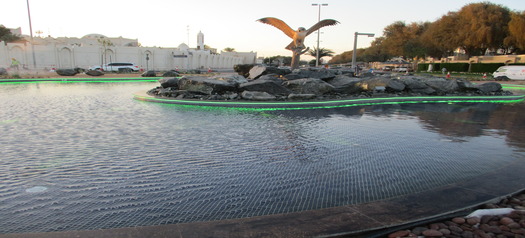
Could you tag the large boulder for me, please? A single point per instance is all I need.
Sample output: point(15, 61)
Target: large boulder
point(323, 74)
point(66, 72)
point(149, 73)
point(3, 71)
point(243, 69)
point(465, 85)
point(172, 82)
point(260, 70)
point(489, 87)
point(268, 86)
point(345, 84)
point(370, 84)
point(394, 85)
point(205, 85)
point(231, 78)
point(416, 85)
point(94, 73)
point(257, 96)
point(442, 85)
point(171, 73)
point(309, 86)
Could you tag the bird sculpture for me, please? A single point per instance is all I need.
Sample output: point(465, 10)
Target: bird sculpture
point(301, 33)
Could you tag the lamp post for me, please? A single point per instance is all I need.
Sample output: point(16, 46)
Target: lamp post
point(31, 34)
point(318, 31)
point(355, 48)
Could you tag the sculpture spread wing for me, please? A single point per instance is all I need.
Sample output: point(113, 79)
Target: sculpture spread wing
point(279, 25)
point(323, 23)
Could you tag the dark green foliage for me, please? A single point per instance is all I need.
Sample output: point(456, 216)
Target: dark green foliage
point(7, 36)
point(485, 68)
point(451, 67)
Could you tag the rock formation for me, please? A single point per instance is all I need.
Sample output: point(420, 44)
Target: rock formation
point(271, 83)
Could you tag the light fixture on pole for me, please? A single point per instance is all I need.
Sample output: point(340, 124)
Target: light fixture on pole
point(318, 31)
point(355, 48)
point(31, 34)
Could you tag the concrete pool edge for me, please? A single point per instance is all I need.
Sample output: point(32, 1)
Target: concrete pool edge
point(279, 105)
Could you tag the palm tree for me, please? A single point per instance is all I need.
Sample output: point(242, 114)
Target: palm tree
point(229, 49)
point(322, 53)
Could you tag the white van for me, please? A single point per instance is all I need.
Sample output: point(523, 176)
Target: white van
point(515, 72)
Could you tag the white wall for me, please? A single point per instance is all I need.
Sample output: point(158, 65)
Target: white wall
point(57, 55)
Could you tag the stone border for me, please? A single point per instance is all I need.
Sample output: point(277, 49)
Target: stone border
point(296, 105)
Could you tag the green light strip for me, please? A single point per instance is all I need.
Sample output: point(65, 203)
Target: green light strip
point(343, 103)
point(86, 81)
point(340, 106)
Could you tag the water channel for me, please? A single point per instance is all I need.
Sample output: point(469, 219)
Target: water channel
point(83, 156)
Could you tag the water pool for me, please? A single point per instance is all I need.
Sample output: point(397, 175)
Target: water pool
point(81, 156)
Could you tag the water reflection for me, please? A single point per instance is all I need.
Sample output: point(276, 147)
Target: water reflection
point(456, 121)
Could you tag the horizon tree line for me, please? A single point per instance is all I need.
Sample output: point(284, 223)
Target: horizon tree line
point(476, 28)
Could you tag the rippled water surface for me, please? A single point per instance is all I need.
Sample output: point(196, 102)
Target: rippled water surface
point(89, 156)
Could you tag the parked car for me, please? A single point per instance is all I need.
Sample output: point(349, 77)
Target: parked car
point(401, 69)
point(117, 67)
point(387, 68)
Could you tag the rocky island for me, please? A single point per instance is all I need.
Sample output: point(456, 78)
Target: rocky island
point(266, 83)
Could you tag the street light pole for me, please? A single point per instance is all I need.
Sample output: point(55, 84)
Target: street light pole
point(355, 48)
point(31, 34)
point(318, 31)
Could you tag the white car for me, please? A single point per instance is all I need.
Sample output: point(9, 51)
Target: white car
point(117, 67)
point(400, 69)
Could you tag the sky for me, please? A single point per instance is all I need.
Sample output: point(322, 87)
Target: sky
point(225, 23)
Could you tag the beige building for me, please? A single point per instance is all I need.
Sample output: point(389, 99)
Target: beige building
point(96, 49)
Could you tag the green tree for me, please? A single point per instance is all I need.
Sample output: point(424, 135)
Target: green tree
point(395, 38)
point(516, 38)
point(7, 36)
point(404, 40)
point(440, 39)
point(229, 49)
point(322, 53)
point(482, 26)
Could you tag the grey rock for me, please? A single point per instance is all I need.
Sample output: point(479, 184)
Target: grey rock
point(272, 77)
point(292, 76)
point(149, 73)
point(465, 85)
point(417, 85)
point(205, 85)
point(257, 96)
point(259, 70)
point(171, 73)
point(346, 84)
point(66, 72)
point(395, 85)
point(268, 86)
point(169, 82)
point(243, 69)
point(319, 74)
point(294, 96)
point(233, 79)
point(94, 73)
point(256, 71)
point(442, 85)
point(3, 71)
point(309, 86)
point(489, 87)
